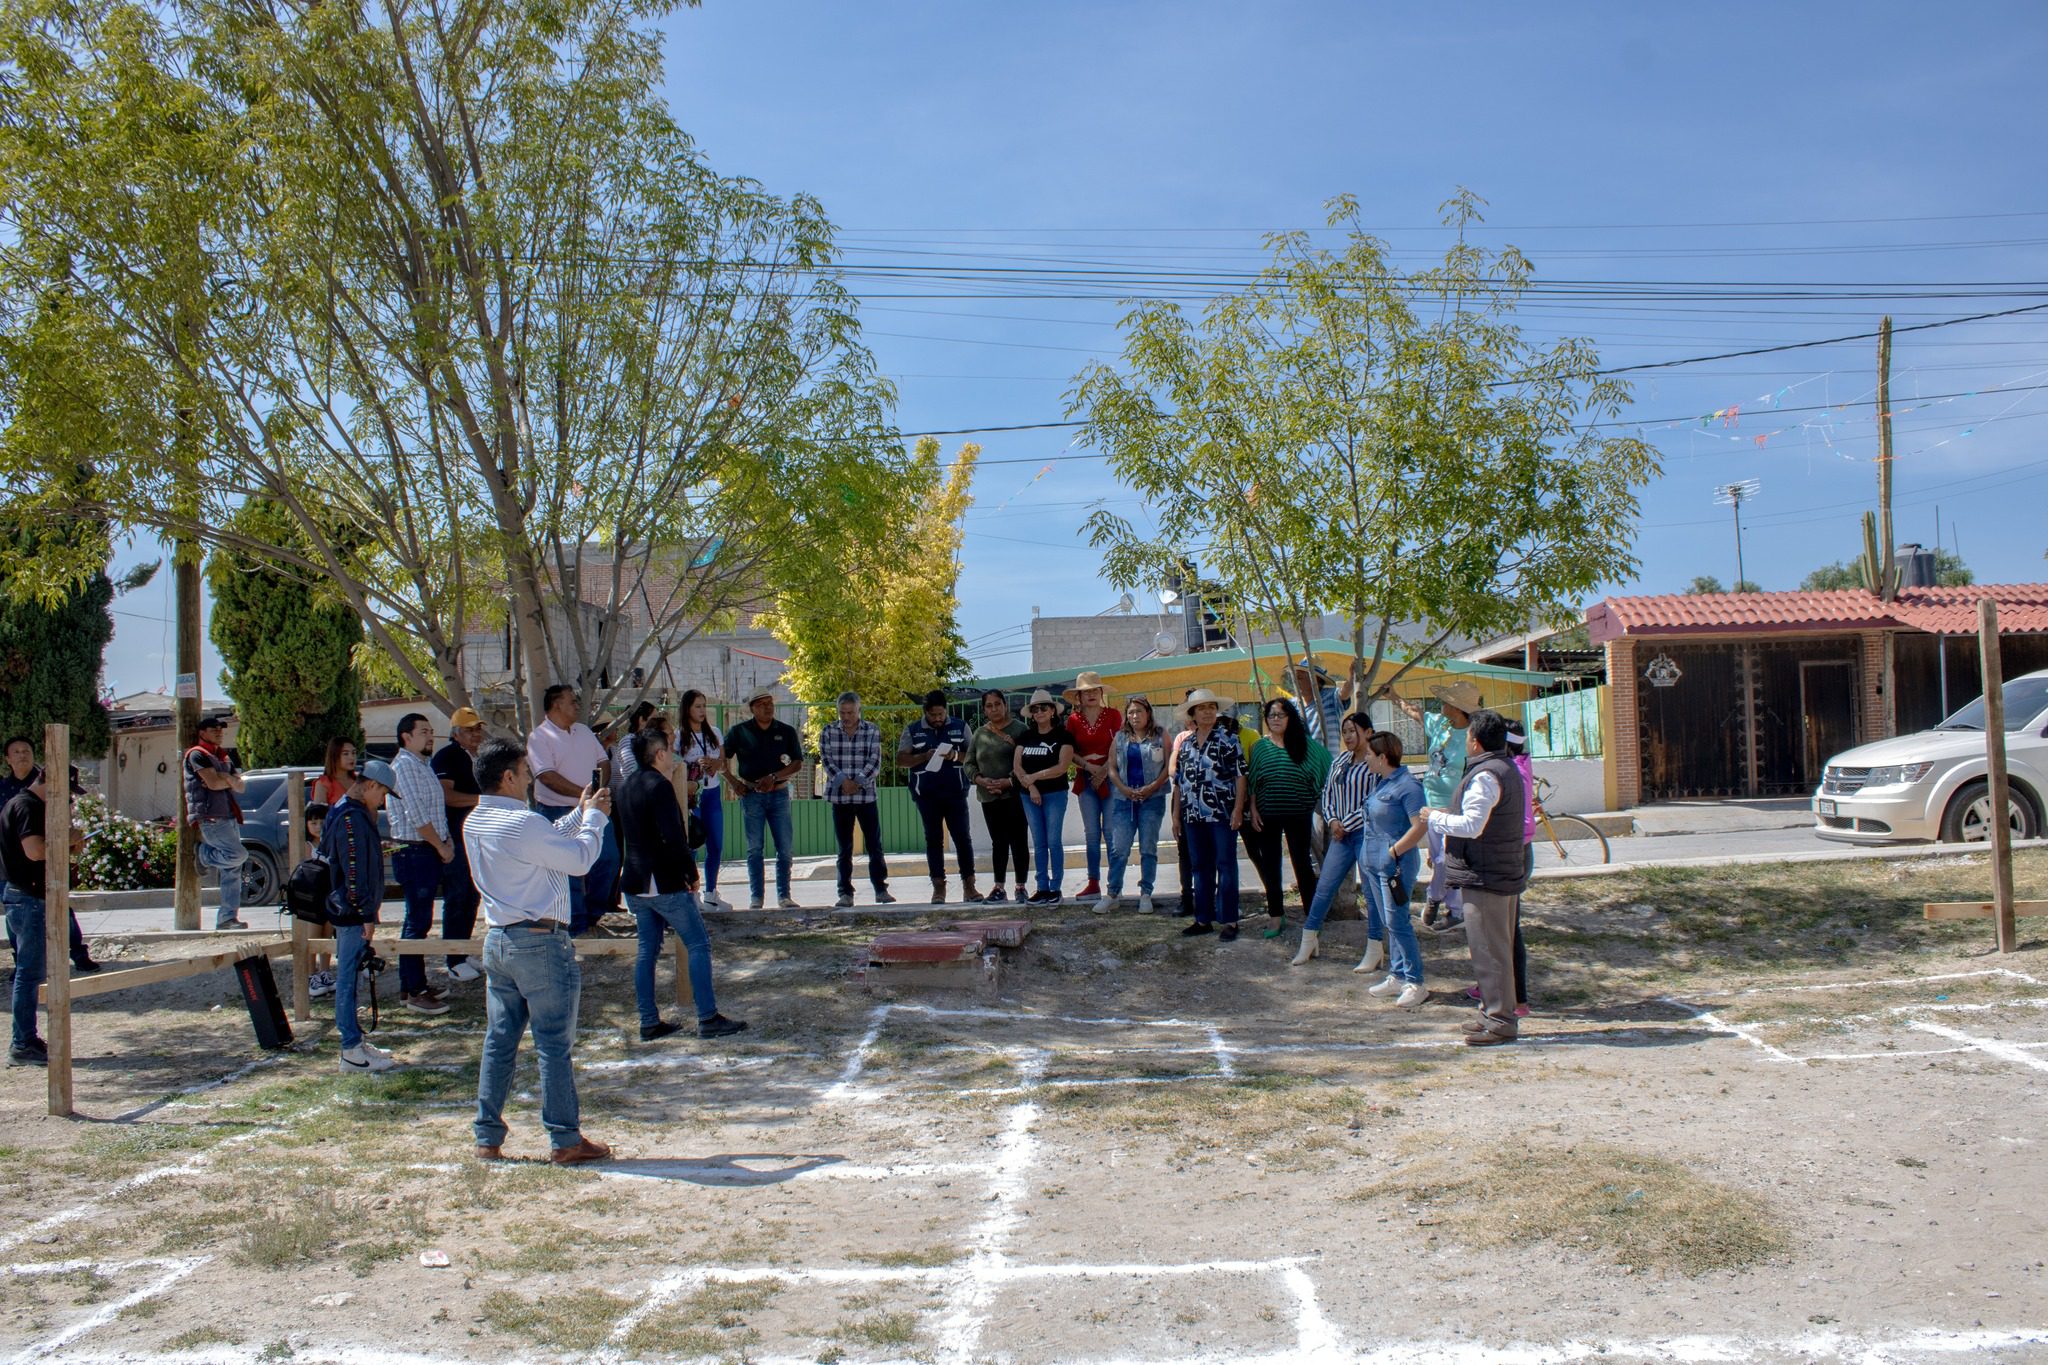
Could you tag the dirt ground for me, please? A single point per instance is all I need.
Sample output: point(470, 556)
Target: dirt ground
point(1757, 1114)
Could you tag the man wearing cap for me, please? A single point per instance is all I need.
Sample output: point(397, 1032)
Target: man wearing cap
point(764, 754)
point(418, 816)
point(567, 757)
point(455, 766)
point(1443, 733)
point(1208, 806)
point(23, 855)
point(351, 848)
point(211, 781)
point(1320, 701)
point(851, 752)
point(931, 752)
point(18, 775)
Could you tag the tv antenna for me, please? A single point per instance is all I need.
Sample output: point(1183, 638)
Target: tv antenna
point(1733, 495)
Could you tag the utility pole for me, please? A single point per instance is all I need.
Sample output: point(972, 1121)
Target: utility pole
point(1887, 586)
point(185, 568)
point(1733, 495)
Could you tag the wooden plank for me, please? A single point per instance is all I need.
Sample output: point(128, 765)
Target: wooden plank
point(107, 982)
point(1980, 909)
point(1994, 750)
point(686, 999)
point(474, 947)
point(57, 910)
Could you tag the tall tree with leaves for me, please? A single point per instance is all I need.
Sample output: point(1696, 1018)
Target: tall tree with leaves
point(1343, 436)
point(289, 652)
point(451, 284)
point(888, 627)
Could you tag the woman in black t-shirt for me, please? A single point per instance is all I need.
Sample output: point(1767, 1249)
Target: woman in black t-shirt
point(1045, 752)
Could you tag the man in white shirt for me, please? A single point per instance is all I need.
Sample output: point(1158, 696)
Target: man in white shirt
point(567, 758)
point(418, 814)
point(524, 865)
point(1482, 837)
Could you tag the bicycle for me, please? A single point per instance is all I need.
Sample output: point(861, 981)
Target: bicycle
point(1574, 839)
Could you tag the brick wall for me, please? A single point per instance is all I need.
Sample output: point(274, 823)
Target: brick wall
point(1624, 744)
point(1875, 713)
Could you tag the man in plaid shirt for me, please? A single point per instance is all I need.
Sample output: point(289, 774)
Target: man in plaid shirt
point(852, 753)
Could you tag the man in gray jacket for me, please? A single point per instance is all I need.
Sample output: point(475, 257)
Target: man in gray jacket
point(1483, 858)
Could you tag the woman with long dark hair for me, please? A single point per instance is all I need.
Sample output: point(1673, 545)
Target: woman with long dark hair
point(1137, 773)
point(338, 772)
point(624, 765)
point(1286, 770)
point(991, 756)
point(699, 747)
point(1044, 756)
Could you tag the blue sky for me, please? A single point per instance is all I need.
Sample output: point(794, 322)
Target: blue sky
point(1886, 144)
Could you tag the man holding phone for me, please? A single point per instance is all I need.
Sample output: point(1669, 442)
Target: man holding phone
point(931, 752)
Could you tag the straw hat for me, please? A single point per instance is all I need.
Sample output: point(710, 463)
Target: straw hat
point(758, 693)
point(1202, 696)
point(1462, 695)
point(1043, 698)
point(1086, 681)
point(463, 718)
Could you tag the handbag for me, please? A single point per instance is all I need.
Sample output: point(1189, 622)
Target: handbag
point(696, 831)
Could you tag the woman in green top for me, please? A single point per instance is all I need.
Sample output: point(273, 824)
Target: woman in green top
point(990, 752)
point(1286, 771)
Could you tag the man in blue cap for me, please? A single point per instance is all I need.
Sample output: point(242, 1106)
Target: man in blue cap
point(351, 847)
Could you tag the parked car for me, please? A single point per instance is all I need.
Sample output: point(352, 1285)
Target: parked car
point(265, 832)
point(1931, 786)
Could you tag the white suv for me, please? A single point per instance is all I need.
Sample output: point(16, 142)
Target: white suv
point(1931, 786)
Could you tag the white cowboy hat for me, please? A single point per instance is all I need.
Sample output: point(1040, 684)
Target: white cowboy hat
point(1202, 696)
point(758, 693)
point(1041, 698)
point(1463, 695)
point(1087, 681)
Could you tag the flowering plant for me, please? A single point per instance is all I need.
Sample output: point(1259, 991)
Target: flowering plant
point(122, 854)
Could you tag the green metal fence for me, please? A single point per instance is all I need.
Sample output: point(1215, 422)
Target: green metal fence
point(810, 826)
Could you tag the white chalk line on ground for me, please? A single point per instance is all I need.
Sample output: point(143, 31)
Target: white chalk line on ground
point(175, 1269)
point(973, 1289)
point(1991, 1047)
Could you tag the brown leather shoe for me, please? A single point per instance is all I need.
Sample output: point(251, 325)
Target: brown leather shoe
point(970, 892)
point(484, 1153)
point(584, 1150)
point(1488, 1039)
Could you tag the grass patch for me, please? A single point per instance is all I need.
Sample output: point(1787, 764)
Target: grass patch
point(299, 1231)
point(108, 1152)
point(578, 1321)
point(194, 1337)
point(924, 1258)
point(711, 1322)
point(879, 1329)
point(1641, 1211)
point(1281, 1114)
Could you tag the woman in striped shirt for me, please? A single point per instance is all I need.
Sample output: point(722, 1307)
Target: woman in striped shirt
point(1343, 809)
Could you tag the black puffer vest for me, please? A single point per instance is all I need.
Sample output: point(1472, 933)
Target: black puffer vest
point(1491, 861)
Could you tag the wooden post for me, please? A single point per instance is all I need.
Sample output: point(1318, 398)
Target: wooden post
point(57, 909)
point(302, 932)
point(1994, 751)
point(685, 1000)
point(1887, 588)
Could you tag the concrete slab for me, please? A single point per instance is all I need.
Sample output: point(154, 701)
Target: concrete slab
point(1720, 817)
point(925, 946)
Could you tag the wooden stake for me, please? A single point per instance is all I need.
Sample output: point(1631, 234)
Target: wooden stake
point(302, 932)
point(57, 910)
point(684, 999)
point(1994, 750)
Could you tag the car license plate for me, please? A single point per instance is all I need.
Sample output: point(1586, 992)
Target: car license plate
point(1826, 808)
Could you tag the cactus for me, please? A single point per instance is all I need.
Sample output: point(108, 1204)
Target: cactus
point(1873, 568)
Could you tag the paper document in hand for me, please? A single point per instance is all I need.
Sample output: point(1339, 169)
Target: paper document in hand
point(931, 765)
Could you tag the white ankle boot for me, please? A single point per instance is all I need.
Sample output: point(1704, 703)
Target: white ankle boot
point(1310, 941)
point(1375, 956)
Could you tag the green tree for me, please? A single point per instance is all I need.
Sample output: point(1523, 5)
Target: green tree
point(50, 663)
point(1949, 572)
point(452, 285)
point(288, 646)
point(1342, 435)
point(1705, 585)
point(887, 628)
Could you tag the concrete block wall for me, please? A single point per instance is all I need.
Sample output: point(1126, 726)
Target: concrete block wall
point(1084, 641)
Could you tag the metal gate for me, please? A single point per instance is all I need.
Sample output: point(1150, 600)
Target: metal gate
point(1744, 718)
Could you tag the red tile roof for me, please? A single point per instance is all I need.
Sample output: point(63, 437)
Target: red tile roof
point(2022, 609)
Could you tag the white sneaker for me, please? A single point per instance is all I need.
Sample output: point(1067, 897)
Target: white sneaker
point(320, 985)
point(1145, 905)
point(788, 903)
point(1105, 905)
point(1375, 956)
point(1391, 986)
point(1413, 994)
point(464, 971)
point(365, 1058)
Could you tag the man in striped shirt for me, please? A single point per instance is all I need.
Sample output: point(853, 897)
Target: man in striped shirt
point(522, 863)
point(418, 813)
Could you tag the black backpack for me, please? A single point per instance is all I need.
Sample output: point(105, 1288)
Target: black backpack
point(307, 889)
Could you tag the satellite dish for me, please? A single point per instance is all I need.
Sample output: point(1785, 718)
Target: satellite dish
point(1164, 641)
point(1127, 604)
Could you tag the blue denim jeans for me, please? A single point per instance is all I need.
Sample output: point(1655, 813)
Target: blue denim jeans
point(590, 895)
point(349, 945)
point(25, 926)
point(220, 849)
point(1212, 847)
point(1047, 820)
point(1095, 827)
point(420, 873)
point(1399, 930)
point(711, 815)
point(533, 981)
point(1128, 819)
point(656, 915)
point(767, 812)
